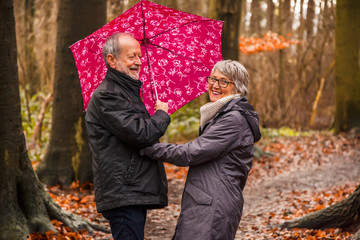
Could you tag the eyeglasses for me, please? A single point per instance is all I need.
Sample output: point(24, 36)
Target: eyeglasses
point(222, 82)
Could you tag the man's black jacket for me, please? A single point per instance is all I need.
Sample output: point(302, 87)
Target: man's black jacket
point(118, 126)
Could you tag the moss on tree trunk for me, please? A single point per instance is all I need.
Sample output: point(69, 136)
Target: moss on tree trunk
point(347, 70)
point(25, 206)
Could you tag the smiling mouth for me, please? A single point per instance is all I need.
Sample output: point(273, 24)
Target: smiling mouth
point(216, 93)
point(135, 69)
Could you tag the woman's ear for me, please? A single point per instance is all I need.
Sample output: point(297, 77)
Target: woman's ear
point(111, 60)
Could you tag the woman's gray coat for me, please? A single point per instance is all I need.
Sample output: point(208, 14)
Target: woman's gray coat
point(220, 160)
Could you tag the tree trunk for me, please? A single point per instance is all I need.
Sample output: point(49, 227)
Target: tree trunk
point(356, 236)
point(255, 19)
point(25, 207)
point(347, 74)
point(29, 78)
point(323, 15)
point(229, 11)
point(13, 223)
point(318, 95)
point(193, 7)
point(270, 11)
point(287, 16)
point(114, 9)
point(281, 82)
point(300, 30)
point(68, 155)
point(344, 214)
point(39, 121)
point(310, 15)
point(168, 3)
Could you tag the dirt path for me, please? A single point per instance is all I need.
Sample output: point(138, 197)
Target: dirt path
point(160, 224)
point(270, 194)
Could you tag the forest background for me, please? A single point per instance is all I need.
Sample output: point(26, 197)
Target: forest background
point(288, 47)
point(290, 87)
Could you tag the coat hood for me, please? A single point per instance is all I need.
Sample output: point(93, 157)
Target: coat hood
point(247, 110)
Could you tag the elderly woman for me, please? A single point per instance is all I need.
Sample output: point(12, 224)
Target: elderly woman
point(219, 159)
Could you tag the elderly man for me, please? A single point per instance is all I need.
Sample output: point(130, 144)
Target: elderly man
point(118, 126)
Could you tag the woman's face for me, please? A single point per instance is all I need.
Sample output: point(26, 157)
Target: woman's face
point(215, 91)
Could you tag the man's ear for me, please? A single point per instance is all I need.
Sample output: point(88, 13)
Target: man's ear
point(111, 60)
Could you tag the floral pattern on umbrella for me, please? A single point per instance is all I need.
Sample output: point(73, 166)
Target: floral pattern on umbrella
point(178, 51)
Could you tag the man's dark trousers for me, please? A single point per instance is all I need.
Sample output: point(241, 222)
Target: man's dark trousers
point(127, 223)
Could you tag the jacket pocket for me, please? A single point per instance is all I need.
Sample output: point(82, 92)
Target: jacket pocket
point(200, 197)
point(130, 171)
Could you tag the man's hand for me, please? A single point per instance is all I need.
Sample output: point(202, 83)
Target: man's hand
point(159, 105)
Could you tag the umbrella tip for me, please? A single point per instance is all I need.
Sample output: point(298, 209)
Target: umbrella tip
point(145, 41)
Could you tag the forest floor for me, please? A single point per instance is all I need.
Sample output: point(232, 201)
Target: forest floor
point(303, 174)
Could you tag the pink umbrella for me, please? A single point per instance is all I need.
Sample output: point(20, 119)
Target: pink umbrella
point(178, 51)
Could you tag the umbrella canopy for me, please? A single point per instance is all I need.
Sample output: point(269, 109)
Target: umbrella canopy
point(178, 51)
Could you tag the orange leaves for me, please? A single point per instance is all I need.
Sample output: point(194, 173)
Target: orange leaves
point(306, 234)
point(51, 235)
point(283, 186)
point(87, 199)
point(64, 233)
point(319, 207)
point(174, 172)
point(78, 199)
point(299, 178)
point(270, 42)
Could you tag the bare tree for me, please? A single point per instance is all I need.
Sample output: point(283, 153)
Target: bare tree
point(295, 72)
point(300, 29)
point(288, 18)
point(310, 15)
point(344, 214)
point(36, 32)
point(171, 3)
point(270, 11)
point(230, 12)
point(114, 9)
point(29, 77)
point(255, 20)
point(281, 78)
point(68, 155)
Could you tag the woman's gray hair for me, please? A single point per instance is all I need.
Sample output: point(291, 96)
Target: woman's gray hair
point(112, 46)
point(236, 72)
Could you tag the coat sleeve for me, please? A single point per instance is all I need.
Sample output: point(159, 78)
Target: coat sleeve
point(129, 124)
point(226, 134)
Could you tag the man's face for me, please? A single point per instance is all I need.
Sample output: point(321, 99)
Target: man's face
point(129, 61)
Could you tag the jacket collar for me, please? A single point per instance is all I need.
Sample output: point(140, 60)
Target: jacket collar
point(229, 106)
point(241, 105)
point(125, 81)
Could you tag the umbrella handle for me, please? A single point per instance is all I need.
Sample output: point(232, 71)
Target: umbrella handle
point(157, 98)
point(150, 73)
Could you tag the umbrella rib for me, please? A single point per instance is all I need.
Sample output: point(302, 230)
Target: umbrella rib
point(191, 59)
point(178, 27)
point(146, 51)
point(148, 42)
